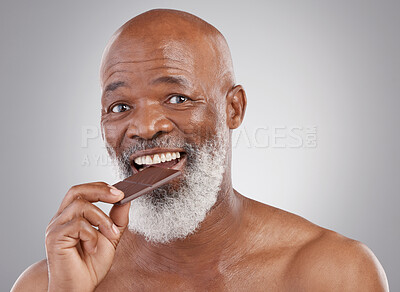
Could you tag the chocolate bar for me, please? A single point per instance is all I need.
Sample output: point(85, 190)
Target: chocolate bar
point(144, 181)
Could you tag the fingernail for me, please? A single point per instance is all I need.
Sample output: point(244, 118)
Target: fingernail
point(111, 186)
point(116, 192)
point(115, 229)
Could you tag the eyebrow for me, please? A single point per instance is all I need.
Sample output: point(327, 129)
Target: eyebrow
point(113, 86)
point(163, 79)
point(171, 80)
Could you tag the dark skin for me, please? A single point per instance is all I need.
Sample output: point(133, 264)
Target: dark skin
point(175, 84)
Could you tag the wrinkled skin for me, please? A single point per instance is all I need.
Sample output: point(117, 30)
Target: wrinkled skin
point(242, 245)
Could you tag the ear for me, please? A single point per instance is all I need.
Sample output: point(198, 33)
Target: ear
point(236, 103)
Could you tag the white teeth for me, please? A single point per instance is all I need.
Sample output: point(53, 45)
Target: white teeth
point(163, 159)
point(156, 159)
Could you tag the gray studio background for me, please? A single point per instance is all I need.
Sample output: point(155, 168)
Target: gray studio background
point(320, 137)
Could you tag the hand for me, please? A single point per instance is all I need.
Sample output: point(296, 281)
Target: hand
point(78, 255)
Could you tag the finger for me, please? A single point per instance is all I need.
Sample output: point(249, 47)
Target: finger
point(94, 215)
point(119, 214)
point(86, 234)
point(92, 192)
point(66, 236)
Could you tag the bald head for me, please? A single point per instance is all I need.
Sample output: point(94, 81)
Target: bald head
point(175, 35)
point(168, 73)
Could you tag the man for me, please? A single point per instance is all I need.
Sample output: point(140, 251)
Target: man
point(169, 97)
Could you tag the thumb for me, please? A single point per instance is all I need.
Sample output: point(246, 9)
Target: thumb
point(119, 214)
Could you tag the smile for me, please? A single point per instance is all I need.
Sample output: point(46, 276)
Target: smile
point(164, 158)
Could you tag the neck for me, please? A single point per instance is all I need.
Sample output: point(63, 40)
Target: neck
point(212, 244)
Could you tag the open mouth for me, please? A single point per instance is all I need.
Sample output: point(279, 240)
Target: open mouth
point(161, 158)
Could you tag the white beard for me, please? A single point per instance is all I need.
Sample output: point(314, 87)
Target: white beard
point(167, 214)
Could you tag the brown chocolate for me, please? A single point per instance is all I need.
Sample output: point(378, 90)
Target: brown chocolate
point(144, 181)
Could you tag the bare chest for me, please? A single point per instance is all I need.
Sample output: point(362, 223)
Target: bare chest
point(256, 273)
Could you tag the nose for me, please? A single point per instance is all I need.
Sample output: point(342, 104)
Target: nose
point(149, 122)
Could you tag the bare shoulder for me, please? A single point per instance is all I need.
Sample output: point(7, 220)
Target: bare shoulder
point(316, 259)
point(280, 229)
point(34, 278)
point(334, 262)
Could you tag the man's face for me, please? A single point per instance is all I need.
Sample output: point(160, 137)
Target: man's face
point(158, 99)
point(158, 92)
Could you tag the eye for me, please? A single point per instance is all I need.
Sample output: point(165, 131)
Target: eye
point(119, 108)
point(176, 99)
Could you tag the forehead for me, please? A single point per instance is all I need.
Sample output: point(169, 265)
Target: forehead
point(150, 57)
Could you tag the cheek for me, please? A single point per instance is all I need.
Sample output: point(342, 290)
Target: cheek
point(113, 133)
point(200, 125)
